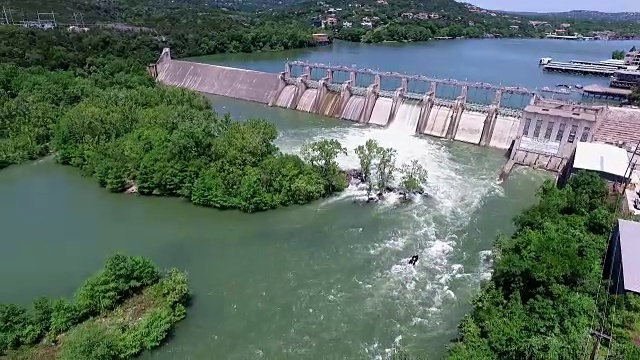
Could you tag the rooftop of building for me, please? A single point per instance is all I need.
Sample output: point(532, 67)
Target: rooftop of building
point(566, 111)
point(601, 157)
point(630, 250)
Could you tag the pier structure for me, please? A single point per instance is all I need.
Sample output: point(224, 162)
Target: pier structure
point(601, 92)
point(581, 68)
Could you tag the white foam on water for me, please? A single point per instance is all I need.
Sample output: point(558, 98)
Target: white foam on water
point(456, 191)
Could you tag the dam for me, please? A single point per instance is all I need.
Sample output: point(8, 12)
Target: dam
point(533, 131)
point(476, 113)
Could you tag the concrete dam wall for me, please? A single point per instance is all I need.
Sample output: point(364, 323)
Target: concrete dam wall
point(218, 80)
point(362, 98)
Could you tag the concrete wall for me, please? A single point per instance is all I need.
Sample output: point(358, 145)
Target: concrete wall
point(505, 131)
point(470, 127)
point(218, 80)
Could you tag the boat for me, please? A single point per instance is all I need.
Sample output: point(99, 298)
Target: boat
point(545, 61)
point(578, 86)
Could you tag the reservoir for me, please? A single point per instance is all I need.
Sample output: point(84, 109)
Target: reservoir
point(325, 280)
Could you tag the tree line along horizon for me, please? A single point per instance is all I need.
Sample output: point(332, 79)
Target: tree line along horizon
point(83, 98)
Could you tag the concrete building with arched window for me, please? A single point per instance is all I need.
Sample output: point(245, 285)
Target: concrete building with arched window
point(549, 131)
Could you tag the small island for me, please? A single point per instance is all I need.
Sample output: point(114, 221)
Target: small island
point(128, 307)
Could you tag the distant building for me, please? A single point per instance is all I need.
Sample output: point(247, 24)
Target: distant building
point(539, 23)
point(77, 29)
point(46, 25)
point(621, 265)
point(321, 39)
point(514, 27)
point(632, 58)
point(565, 25)
point(347, 24)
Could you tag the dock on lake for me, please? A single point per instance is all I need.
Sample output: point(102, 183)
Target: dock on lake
point(601, 92)
point(580, 68)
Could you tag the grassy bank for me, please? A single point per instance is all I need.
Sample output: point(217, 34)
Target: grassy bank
point(127, 308)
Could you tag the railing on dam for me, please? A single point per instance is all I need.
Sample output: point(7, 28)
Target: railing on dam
point(332, 68)
point(414, 86)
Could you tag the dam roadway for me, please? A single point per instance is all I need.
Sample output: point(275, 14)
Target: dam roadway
point(321, 281)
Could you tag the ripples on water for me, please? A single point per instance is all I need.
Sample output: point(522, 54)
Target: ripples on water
point(431, 227)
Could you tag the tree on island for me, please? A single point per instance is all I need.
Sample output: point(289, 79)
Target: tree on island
point(414, 175)
point(322, 155)
point(618, 55)
point(385, 168)
point(367, 154)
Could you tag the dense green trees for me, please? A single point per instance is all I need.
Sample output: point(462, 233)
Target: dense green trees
point(123, 130)
point(541, 299)
point(159, 300)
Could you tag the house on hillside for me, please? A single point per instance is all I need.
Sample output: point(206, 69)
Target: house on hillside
point(621, 265)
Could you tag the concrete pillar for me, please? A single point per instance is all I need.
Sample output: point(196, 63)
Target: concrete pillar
point(376, 81)
point(398, 97)
point(281, 85)
point(458, 109)
point(369, 102)
point(152, 70)
point(404, 84)
point(490, 121)
point(352, 78)
point(329, 78)
point(165, 55)
point(425, 111)
point(322, 92)
point(345, 94)
point(301, 86)
point(287, 69)
point(307, 71)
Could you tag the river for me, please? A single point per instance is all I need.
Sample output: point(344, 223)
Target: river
point(326, 280)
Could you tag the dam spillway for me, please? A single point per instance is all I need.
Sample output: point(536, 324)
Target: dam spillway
point(307, 101)
point(407, 117)
point(381, 111)
point(286, 97)
point(462, 116)
point(353, 108)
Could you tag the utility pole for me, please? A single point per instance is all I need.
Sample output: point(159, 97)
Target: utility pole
point(596, 349)
point(6, 18)
point(75, 18)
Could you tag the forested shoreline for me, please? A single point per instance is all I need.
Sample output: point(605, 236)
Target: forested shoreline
point(128, 307)
point(118, 126)
point(545, 290)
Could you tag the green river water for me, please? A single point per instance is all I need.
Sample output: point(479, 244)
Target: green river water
point(324, 281)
